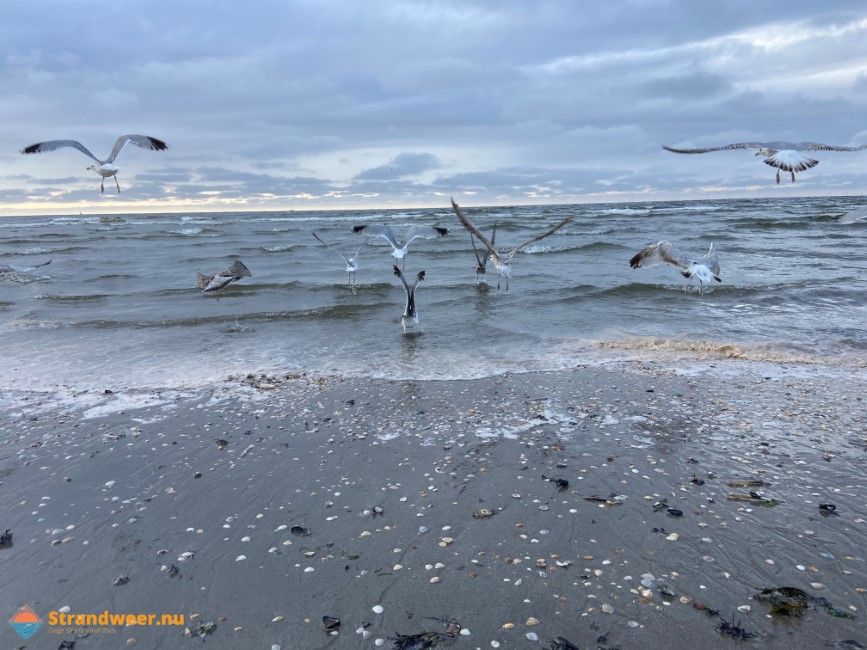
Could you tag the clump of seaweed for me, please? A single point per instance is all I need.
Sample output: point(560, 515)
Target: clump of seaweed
point(425, 640)
point(734, 630)
point(793, 602)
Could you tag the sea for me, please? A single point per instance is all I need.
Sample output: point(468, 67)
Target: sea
point(118, 307)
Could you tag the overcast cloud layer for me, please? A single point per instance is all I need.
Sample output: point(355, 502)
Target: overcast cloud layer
point(346, 104)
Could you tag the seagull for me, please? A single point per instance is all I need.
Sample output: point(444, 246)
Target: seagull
point(502, 262)
point(351, 263)
point(705, 268)
point(400, 248)
point(105, 168)
point(409, 320)
point(208, 283)
point(8, 268)
point(482, 260)
point(782, 155)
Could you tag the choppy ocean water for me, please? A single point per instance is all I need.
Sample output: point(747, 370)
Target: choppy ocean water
point(118, 307)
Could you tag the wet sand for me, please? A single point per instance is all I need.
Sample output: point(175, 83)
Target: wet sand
point(386, 478)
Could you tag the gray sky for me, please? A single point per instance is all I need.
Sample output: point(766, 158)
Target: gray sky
point(350, 104)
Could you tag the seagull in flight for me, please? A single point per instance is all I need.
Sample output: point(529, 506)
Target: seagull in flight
point(105, 168)
point(482, 259)
point(208, 283)
point(502, 262)
point(351, 263)
point(705, 268)
point(409, 320)
point(401, 247)
point(8, 268)
point(784, 156)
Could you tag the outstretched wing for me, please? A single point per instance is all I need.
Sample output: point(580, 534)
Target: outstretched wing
point(143, 141)
point(550, 231)
point(660, 253)
point(238, 271)
point(378, 230)
point(818, 146)
point(711, 261)
point(473, 230)
point(333, 250)
point(400, 277)
point(737, 145)
point(51, 145)
point(425, 232)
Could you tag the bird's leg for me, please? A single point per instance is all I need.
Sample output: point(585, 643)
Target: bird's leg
point(778, 177)
point(102, 186)
point(793, 177)
point(118, 184)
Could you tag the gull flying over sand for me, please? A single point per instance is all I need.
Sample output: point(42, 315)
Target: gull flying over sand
point(208, 283)
point(502, 262)
point(351, 263)
point(9, 268)
point(705, 268)
point(782, 155)
point(105, 168)
point(401, 247)
point(409, 320)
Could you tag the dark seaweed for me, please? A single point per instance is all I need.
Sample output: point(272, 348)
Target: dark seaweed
point(734, 630)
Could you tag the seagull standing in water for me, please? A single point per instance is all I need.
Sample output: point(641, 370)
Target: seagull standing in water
point(784, 156)
point(409, 320)
point(209, 283)
point(8, 268)
point(400, 247)
point(705, 268)
point(351, 263)
point(502, 262)
point(105, 168)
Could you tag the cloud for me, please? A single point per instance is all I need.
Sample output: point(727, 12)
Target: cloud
point(404, 101)
point(404, 164)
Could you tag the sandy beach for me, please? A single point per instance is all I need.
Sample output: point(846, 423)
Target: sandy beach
point(599, 506)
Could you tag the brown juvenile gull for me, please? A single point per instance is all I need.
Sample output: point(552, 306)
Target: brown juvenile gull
point(400, 247)
point(782, 155)
point(482, 260)
point(208, 283)
point(105, 168)
point(409, 319)
point(502, 261)
point(705, 268)
point(351, 263)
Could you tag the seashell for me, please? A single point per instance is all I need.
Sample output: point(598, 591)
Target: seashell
point(532, 621)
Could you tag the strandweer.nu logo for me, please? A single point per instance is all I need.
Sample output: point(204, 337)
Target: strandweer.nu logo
point(25, 622)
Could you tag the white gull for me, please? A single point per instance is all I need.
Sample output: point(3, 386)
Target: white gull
point(782, 155)
point(105, 168)
point(705, 268)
